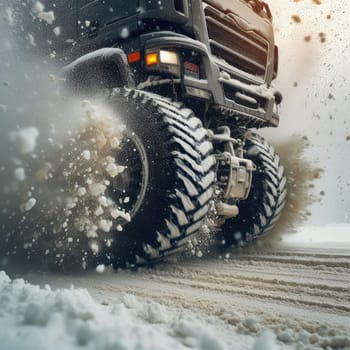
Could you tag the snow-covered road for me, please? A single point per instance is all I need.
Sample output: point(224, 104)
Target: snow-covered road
point(300, 291)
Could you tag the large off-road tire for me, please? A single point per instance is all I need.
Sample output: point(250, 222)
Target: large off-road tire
point(262, 209)
point(169, 177)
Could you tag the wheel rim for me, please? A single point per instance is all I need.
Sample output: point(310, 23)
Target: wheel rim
point(128, 189)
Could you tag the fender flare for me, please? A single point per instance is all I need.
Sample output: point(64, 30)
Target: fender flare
point(103, 68)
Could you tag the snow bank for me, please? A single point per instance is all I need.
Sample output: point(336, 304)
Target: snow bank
point(38, 318)
point(35, 318)
point(267, 341)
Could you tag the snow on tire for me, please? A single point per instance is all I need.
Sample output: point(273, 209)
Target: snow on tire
point(262, 209)
point(171, 180)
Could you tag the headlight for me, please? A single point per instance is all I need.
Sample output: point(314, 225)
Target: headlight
point(163, 61)
point(169, 57)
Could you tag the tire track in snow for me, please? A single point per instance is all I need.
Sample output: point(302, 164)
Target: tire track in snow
point(297, 279)
point(307, 286)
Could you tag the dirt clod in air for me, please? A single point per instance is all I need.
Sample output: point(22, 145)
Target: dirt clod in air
point(322, 37)
point(317, 2)
point(296, 18)
point(307, 38)
point(316, 173)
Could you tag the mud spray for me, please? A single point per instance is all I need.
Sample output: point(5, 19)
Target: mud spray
point(301, 177)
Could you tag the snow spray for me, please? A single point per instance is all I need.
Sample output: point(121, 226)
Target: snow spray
point(57, 158)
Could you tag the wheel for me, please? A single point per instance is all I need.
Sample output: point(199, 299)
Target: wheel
point(168, 177)
point(264, 205)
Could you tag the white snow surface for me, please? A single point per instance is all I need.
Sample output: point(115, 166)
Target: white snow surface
point(41, 318)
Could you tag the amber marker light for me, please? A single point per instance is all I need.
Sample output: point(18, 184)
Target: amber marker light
point(134, 57)
point(151, 58)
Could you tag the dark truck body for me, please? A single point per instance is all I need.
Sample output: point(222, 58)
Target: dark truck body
point(231, 42)
point(189, 79)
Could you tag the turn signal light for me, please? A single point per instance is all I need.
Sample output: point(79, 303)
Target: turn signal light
point(151, 58)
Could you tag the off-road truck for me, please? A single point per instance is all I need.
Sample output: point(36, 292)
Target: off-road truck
point(192, 79)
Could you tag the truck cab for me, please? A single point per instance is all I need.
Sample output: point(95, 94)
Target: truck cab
point(219, 57)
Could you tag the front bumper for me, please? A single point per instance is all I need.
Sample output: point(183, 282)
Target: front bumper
point(243, 98)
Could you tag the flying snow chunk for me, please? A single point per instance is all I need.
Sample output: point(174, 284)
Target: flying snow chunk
point(38, 7)
point(105, 225)
point(94, 247)
point(9, 16)
point(20, 174)
point(100, 268)
point(114, 142)
point(124, 33)
point(97, 189)
point(81, 191)
point(25, 139)
point(31, 40)
point(113, 170)
point(103, 201)
point(99, 211)
point(86, 154)
point(30, 204)
point(57, 31)
point(48, 17)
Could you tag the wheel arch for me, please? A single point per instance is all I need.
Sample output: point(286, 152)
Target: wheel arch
point(100, 69)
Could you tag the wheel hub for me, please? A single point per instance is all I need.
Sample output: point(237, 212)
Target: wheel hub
point(128, 189)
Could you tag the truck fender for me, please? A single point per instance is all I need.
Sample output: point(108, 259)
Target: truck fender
point(100, 69)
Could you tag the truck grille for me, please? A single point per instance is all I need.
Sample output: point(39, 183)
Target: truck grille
point(246, 51)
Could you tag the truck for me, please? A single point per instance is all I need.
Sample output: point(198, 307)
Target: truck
point(193, 81)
